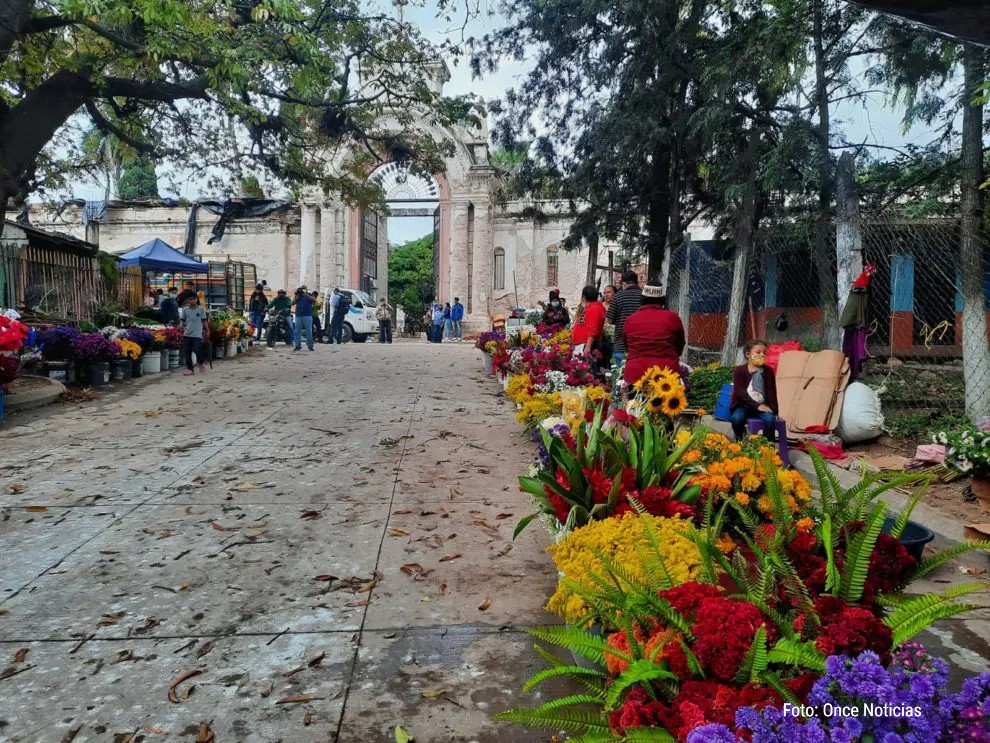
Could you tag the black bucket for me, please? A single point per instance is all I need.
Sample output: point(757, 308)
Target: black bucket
point(914, 537)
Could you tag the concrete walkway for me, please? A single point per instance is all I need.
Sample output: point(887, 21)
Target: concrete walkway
point(293, 547)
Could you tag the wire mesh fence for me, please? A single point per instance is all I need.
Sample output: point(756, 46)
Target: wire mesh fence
point(927, 313)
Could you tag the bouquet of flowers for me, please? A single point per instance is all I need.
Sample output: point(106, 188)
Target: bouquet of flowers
point(490, 340)
point(13, 333)
point(128, 349)
point(967, 449)
point(659, 394)
point(144, 338)
point(56, 343)
point(8, 370)
point(94, 347)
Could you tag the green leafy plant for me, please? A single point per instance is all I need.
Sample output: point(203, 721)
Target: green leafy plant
point(706, 383)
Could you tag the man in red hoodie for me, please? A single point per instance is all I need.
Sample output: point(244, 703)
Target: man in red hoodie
point(653, 335)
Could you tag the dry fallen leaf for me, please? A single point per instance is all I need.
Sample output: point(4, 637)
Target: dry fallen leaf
point(411, 567)
point(325, 578)
point(403, 512)
point(36, 509)
point(204, 649)
point(205, 734)
point(448, 558)
point(485, 604)
point(394, 532)
point(434, 693)
point(310, 515)
point(297, 698)
point(16, 488)
point(504, 516)
point(443, 588)
point(356, 603)
point(184, 676)
point(308, 718)
point(255, 533)
point(218, 527)
point(244, 486)
point(20, 655)
point(402, 735)
point(317, 660)
point(153, 730)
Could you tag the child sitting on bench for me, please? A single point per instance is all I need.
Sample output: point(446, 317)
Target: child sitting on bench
point(754, 391)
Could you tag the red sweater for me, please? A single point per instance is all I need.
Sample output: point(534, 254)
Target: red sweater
point(591, 324)
point(653, 337)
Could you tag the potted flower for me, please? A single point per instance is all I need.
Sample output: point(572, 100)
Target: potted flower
point(55, 345)
point(129, 353)
point(94, 353)
point(173, 343)
point(968, 450)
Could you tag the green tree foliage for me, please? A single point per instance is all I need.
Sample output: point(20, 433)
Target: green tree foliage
point(251, 188)
point(270, 83)
point(137, 180)
point(410, 276)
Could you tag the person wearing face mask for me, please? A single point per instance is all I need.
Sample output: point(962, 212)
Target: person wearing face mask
point(556, 315)
point(754, 391)
point(586, 336)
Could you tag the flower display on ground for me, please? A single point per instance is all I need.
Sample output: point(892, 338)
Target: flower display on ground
point(56, 343)
point(93, 347)
point(967, 450)
point(538, 407)
point(577, 556)
point(8, 369)
point(519, 388)
point(13, 333)
point(659, 394)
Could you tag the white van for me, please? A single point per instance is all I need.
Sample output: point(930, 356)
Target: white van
point(360, 322)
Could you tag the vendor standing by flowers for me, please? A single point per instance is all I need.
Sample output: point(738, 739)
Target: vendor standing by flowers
point(556, 315)
point(652, 335)
point(586, 337)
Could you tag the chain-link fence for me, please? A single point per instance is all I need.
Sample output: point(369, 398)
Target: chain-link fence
point(926, 319)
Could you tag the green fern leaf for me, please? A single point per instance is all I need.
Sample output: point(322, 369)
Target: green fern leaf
point(586, 675)
point(755, 659)
point(800, 654)
point(638, 672)
point(771, 679)
point(920, 612)
point(948, 554)
point(858, 553)
point(574, 720)
point(902, 518)
point(648, 735)
point(578, 641)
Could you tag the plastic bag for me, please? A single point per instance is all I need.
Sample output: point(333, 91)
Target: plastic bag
point(775, 349)
point(862, 416)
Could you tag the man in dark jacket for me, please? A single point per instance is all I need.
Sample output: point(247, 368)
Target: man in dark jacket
point(169, 307)
point(622, 306)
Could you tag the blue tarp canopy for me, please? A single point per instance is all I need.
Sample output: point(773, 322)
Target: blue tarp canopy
point(158, 255)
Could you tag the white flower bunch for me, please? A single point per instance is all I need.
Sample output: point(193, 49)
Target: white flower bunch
point(112, 333)
point(556, 382)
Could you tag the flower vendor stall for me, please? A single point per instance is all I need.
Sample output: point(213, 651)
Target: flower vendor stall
point(706, 595)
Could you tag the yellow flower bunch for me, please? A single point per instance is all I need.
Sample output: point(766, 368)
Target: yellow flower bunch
point(597, 393)
point(623, 539)
point(491, 347)
point(129, 349)
point(661, 392)
point(518, 389)
point(539, 406)
point(561, 337)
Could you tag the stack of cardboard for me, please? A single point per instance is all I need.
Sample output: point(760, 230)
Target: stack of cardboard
point(810, 387)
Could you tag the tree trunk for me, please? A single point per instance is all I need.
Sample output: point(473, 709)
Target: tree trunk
point(976, 351)
point(658, 218)
point(848, 230)
point(592, 260)
point(822, 252)
point(745, 229)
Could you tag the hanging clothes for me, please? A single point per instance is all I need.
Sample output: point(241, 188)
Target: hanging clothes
point(854, 322)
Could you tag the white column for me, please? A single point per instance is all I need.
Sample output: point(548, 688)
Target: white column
point(328, 257)
point(458, 250)
point(307, 246)
point(482, 264)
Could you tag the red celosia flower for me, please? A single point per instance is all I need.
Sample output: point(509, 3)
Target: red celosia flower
point(723, 632)
point(687, 597)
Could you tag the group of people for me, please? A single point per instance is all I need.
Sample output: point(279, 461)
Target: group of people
point(444, 321)
point(647, 334)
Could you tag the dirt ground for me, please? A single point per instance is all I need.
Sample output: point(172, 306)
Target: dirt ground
point(952, 498)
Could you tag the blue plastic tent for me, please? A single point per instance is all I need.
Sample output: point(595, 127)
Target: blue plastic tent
point(158, 255)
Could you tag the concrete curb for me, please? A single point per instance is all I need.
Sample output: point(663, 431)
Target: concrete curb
point(36, 397)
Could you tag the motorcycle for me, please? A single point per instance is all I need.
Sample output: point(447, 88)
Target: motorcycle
point(279, 324)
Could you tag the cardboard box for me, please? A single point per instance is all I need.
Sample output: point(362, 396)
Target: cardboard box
point(810, 388)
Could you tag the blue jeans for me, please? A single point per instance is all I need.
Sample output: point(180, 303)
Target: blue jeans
point(438, 333)
point(448, 328)
point(384, 331)
point(337, 327)
point(618, 358)
point(258, 320)
point(741, 414)
point(304, 323)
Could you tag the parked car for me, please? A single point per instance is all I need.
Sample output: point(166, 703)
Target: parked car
point(360, 321)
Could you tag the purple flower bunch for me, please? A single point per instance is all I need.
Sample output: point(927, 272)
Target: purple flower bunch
point(908, 702)
point(542, 455)
point(144, 338)
point(56, 344)
point(94, 347)
point(491, 335)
